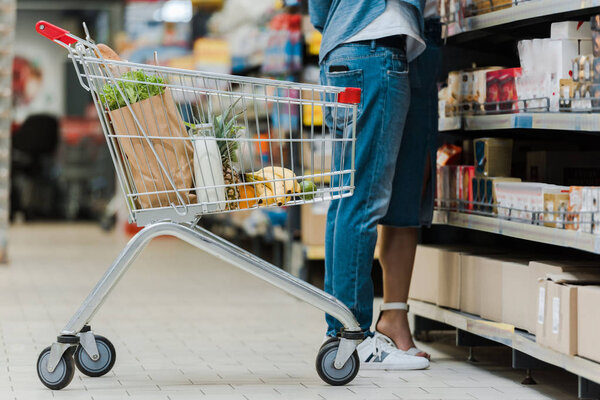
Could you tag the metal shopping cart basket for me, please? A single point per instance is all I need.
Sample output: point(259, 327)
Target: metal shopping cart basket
point(186, 144)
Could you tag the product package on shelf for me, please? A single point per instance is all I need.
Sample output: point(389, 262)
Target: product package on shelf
point(525, 200)
point(556, 205)
point(485, 195)
point(464, 184)
point(493, 156)
point(501, 90)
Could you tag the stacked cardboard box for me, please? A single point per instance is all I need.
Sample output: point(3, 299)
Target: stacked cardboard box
point(588, 322)
point(436, 276)
point(558, 314)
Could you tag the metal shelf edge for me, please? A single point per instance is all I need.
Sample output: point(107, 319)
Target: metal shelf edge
point(520, 341)
point(542, 234)
point(521, 12)
point(583, 122)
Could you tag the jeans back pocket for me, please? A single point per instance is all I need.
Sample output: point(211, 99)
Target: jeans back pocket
point(339, 117)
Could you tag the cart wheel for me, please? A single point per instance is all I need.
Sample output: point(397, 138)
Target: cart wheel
point(103, 364)
point(327, 370)
point(62, 375)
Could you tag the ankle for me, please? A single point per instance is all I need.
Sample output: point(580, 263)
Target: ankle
point(391, 321)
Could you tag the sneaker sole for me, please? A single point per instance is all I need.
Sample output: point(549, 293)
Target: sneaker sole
point(398, 367)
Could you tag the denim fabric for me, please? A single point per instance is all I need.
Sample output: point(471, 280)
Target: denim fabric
point(351, 232)
point(339, 20)
point(419, 139)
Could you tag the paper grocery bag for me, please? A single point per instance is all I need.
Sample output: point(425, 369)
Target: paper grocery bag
point(158, 116)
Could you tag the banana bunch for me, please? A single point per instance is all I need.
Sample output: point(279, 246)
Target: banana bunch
point(276, 185)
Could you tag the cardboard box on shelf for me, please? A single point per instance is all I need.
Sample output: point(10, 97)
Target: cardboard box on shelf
point(490, 286)
point(470, 294)
point(515, 293)
point(570, 30)
point(436, 276)
point(539, 270)
point(493, 156)
point(588, 322)
point(557, 317)
point(313, 219)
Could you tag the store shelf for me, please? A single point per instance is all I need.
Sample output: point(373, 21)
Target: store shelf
point(507, 335)
point(449, 124)
point(584, 122)
point(543, 234)
point(533, 10)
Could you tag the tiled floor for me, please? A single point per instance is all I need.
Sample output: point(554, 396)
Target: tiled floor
point(186, 326)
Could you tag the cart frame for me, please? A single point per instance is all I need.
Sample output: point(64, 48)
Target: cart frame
point(181, 221)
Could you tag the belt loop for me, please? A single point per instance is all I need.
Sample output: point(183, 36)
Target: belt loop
point(373, 45)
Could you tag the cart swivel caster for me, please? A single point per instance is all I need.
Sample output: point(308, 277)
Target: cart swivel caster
point(104, 362)
point(62, 374)
point(326, 369)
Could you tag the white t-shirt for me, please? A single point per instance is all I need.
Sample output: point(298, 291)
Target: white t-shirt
point(399, 18)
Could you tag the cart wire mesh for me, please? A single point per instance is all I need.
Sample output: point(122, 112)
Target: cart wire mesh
point(186, 143)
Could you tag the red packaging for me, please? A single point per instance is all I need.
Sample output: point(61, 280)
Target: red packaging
point(464, 178)
point(501, 87)
point(508, 88)
point(448, 154)
point(492, 90)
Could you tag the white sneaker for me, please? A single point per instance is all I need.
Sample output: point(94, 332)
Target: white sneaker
point(379, 352)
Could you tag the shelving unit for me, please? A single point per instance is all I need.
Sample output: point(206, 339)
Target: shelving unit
point(507, 335)
point(537, 233)
point(525, 19)
point(584, 122)
point(523, 13)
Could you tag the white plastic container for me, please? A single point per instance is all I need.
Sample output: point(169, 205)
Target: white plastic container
point(208, 169)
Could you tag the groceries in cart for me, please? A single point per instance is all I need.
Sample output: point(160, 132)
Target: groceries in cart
point(170, 161)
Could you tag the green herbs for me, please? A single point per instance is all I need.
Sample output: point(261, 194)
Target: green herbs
point(143, 87)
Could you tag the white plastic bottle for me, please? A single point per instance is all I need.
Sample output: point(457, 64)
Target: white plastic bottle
point(208, 169)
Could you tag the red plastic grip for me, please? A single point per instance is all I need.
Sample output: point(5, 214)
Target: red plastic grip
point(350, 95)
point(53, 32)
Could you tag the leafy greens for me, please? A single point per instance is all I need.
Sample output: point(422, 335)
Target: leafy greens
point(143, 87)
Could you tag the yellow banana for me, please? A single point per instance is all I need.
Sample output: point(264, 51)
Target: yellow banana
point(264, 194)
point(291, 183)
point(281, 180)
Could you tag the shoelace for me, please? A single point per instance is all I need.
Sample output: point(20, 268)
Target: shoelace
point(381, 344)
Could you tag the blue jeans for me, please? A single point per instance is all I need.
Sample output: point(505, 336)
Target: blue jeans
point(383, 137)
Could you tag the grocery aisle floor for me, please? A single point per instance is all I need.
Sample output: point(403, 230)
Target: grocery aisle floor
point(187, 326)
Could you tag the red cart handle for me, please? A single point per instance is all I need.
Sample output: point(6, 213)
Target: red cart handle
point(53, 32)
point(349, 96)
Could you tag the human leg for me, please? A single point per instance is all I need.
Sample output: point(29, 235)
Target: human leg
point(382, 75)
point(412, 201)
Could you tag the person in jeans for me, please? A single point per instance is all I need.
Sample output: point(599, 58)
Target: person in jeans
point(386, 49)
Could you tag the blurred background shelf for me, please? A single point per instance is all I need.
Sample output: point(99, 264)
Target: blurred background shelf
point(521, 14)
point(585, 122)
point(542, 234)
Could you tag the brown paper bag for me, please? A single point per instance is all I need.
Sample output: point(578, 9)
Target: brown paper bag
point(158, 116)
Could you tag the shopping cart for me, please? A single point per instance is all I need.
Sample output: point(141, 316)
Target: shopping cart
point(187, 143)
